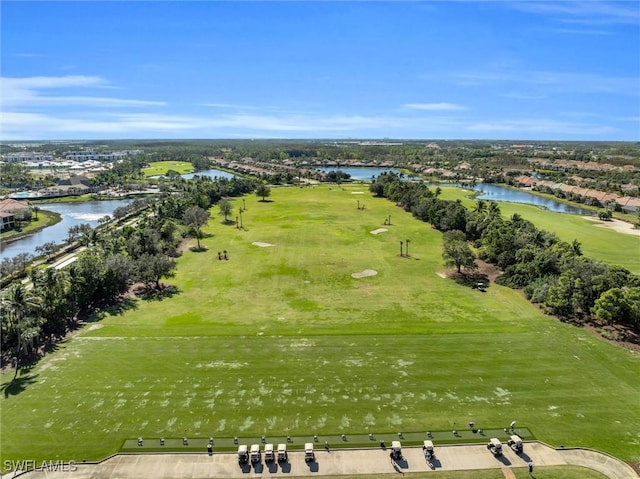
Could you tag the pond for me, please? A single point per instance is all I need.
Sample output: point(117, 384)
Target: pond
point(72, 214)
point(209, 173)
point(362, 173)
point(213, 173)
point(492, 192)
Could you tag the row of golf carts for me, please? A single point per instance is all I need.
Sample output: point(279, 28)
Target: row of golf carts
point(254, 454)
point(514, 442)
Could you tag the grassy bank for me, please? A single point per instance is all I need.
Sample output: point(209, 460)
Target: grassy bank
point(610, 247)
point(45, 218)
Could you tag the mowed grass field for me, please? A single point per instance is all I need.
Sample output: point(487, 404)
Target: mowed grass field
point(158, 168)
point(598, 243)
point(283, 340)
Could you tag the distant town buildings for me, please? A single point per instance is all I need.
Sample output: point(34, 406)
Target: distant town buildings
point(111, 156)
point(80, 156)
point(23, 157)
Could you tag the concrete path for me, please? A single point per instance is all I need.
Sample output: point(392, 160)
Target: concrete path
point(335, 462)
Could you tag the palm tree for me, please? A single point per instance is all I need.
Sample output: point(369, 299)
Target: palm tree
point(20, 308)
point(481, 206)
point(51, 286)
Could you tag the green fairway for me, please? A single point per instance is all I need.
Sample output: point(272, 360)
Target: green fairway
point(159, 168)
point(598, 243)
point(283, 340)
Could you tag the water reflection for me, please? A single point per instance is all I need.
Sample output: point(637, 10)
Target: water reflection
point(72, 214)
point(213, 173)
point(500, 193)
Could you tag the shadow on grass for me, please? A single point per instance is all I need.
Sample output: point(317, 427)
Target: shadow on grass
point(18, 384)
point(265, 201)
point(159, 294)
point(479, 281)
point(115, 309)
point(196, 249)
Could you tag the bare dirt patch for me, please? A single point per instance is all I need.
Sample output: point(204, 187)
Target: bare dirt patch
point(183, 246)
point(485, 272)
point(616, 225)
point(364, 274)
point(261, 244)
point(617, 334)
point(378, 231)
point(491, 271)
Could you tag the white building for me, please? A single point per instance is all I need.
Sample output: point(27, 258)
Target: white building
point(21, 157)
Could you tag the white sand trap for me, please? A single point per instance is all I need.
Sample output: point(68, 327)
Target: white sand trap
point(442, 275)
point(357, 192)
point(378, 231)
point(261, 244)
point(616, 225)
point(364, 274)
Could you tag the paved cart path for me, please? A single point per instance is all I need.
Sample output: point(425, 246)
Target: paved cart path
point(336, 462)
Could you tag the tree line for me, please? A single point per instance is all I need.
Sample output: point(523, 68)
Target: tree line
point(141, 251)
point(552, 273)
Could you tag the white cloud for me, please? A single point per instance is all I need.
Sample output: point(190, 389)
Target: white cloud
point(594, 12)
point(28, 92)
point(38, 108)
point(442, 106)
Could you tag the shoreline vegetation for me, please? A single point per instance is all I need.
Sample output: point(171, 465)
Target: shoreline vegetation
point(45, 219)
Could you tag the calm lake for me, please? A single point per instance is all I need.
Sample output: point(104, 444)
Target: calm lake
point(360, 173)
point(499, 193)
point(209, 173)
point(72, 214)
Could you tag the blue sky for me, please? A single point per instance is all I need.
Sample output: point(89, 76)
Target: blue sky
point(547, 70)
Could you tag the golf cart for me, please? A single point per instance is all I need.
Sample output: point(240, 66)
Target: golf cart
point(254, 453)
point(515, 443)
point(282, 453)
point(495, 446)
point(243, 456)
point(396, 450)
point(427, 448)
point(269, 455)
point(308, 452)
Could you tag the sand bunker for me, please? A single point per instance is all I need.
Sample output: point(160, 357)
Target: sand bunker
point(616, 225)
point(378, 231)
point(261, 244)
point(357, 192)
point(364, 274)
